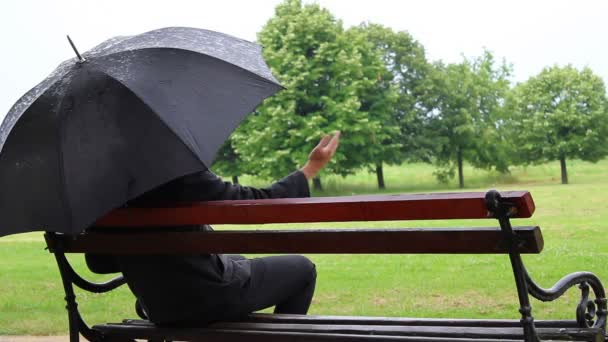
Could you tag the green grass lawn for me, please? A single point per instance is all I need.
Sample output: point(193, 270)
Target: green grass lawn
point(31, 296)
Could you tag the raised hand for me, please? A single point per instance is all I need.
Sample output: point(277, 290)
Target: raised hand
point(321, 155)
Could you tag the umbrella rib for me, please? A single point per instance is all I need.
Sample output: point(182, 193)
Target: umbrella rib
point(60, 157)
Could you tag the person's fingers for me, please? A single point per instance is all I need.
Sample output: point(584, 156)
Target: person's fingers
point(326, 148)
point(324, 141)
point(334, 142)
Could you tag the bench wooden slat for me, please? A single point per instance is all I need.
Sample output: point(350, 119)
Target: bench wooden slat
point(371, 320)
point(465, 205)
point(378, 241)
point(428, 331)
point(218, 335)
point(245, 330)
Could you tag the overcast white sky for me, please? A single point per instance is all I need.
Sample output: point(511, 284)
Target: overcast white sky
point(530, 34)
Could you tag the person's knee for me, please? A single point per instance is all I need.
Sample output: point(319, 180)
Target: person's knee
point(310, 268)
point(313, 271)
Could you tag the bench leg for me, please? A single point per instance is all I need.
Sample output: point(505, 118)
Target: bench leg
point(502, 211)
point(527, 320)
point(77, 325)
point(590, 314)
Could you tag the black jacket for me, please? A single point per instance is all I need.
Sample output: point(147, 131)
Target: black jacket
point(182, 288)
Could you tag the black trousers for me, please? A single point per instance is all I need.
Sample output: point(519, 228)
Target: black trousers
point(286, 282)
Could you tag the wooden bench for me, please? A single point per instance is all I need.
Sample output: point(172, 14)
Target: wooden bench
point(126, 231)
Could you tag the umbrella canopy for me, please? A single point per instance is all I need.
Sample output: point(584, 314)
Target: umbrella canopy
point(135, 113)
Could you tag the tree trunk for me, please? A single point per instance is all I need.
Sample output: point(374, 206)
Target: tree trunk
point(562, 162)
point(235, 179)
point(316, 184)
point(460, 175)
point(380, 176)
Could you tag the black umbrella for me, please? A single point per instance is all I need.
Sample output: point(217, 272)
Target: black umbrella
point(128, 115)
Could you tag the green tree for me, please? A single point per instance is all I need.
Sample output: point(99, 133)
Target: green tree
point(560, 114)
point(322, 70)
point(396, 95)
point(228, 162)
point(378, 99)
point(467, 116)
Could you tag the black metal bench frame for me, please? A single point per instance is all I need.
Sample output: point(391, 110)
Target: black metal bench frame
point(590, 313)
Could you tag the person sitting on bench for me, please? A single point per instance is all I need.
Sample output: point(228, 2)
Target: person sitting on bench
point(198, 289)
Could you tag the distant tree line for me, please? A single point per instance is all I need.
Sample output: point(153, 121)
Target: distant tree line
point(393, 106)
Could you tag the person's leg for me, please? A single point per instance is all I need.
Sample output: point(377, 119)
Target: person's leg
point(286, 282)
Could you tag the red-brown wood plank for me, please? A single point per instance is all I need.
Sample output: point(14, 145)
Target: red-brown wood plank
point(361, 241)
point(463, 205)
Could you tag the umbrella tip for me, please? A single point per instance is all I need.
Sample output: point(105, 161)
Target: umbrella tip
point(80, 58)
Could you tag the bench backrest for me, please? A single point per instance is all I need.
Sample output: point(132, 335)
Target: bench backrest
point(127, 230)
point(464, 205)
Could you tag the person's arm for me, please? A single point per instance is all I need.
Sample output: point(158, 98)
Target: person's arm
point(206, 186)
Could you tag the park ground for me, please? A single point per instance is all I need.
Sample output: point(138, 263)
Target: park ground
point(573, 219)
point(61, 338)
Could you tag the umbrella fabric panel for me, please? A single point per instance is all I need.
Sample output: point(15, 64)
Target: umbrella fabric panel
point(117, 151)
point(239, 52)
point(65, 178)
point(199, 97)
point(30, 172)
point(49, 83)
point(138, 112)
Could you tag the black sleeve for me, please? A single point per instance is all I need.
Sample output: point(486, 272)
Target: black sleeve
point(206, 186)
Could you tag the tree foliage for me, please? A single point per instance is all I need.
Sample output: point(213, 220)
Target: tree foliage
point(378, 99)
point(392, 106)
point(397, 94)
point(561, 114)
point(467, 115)
point(228, 162)
point(324, 72)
